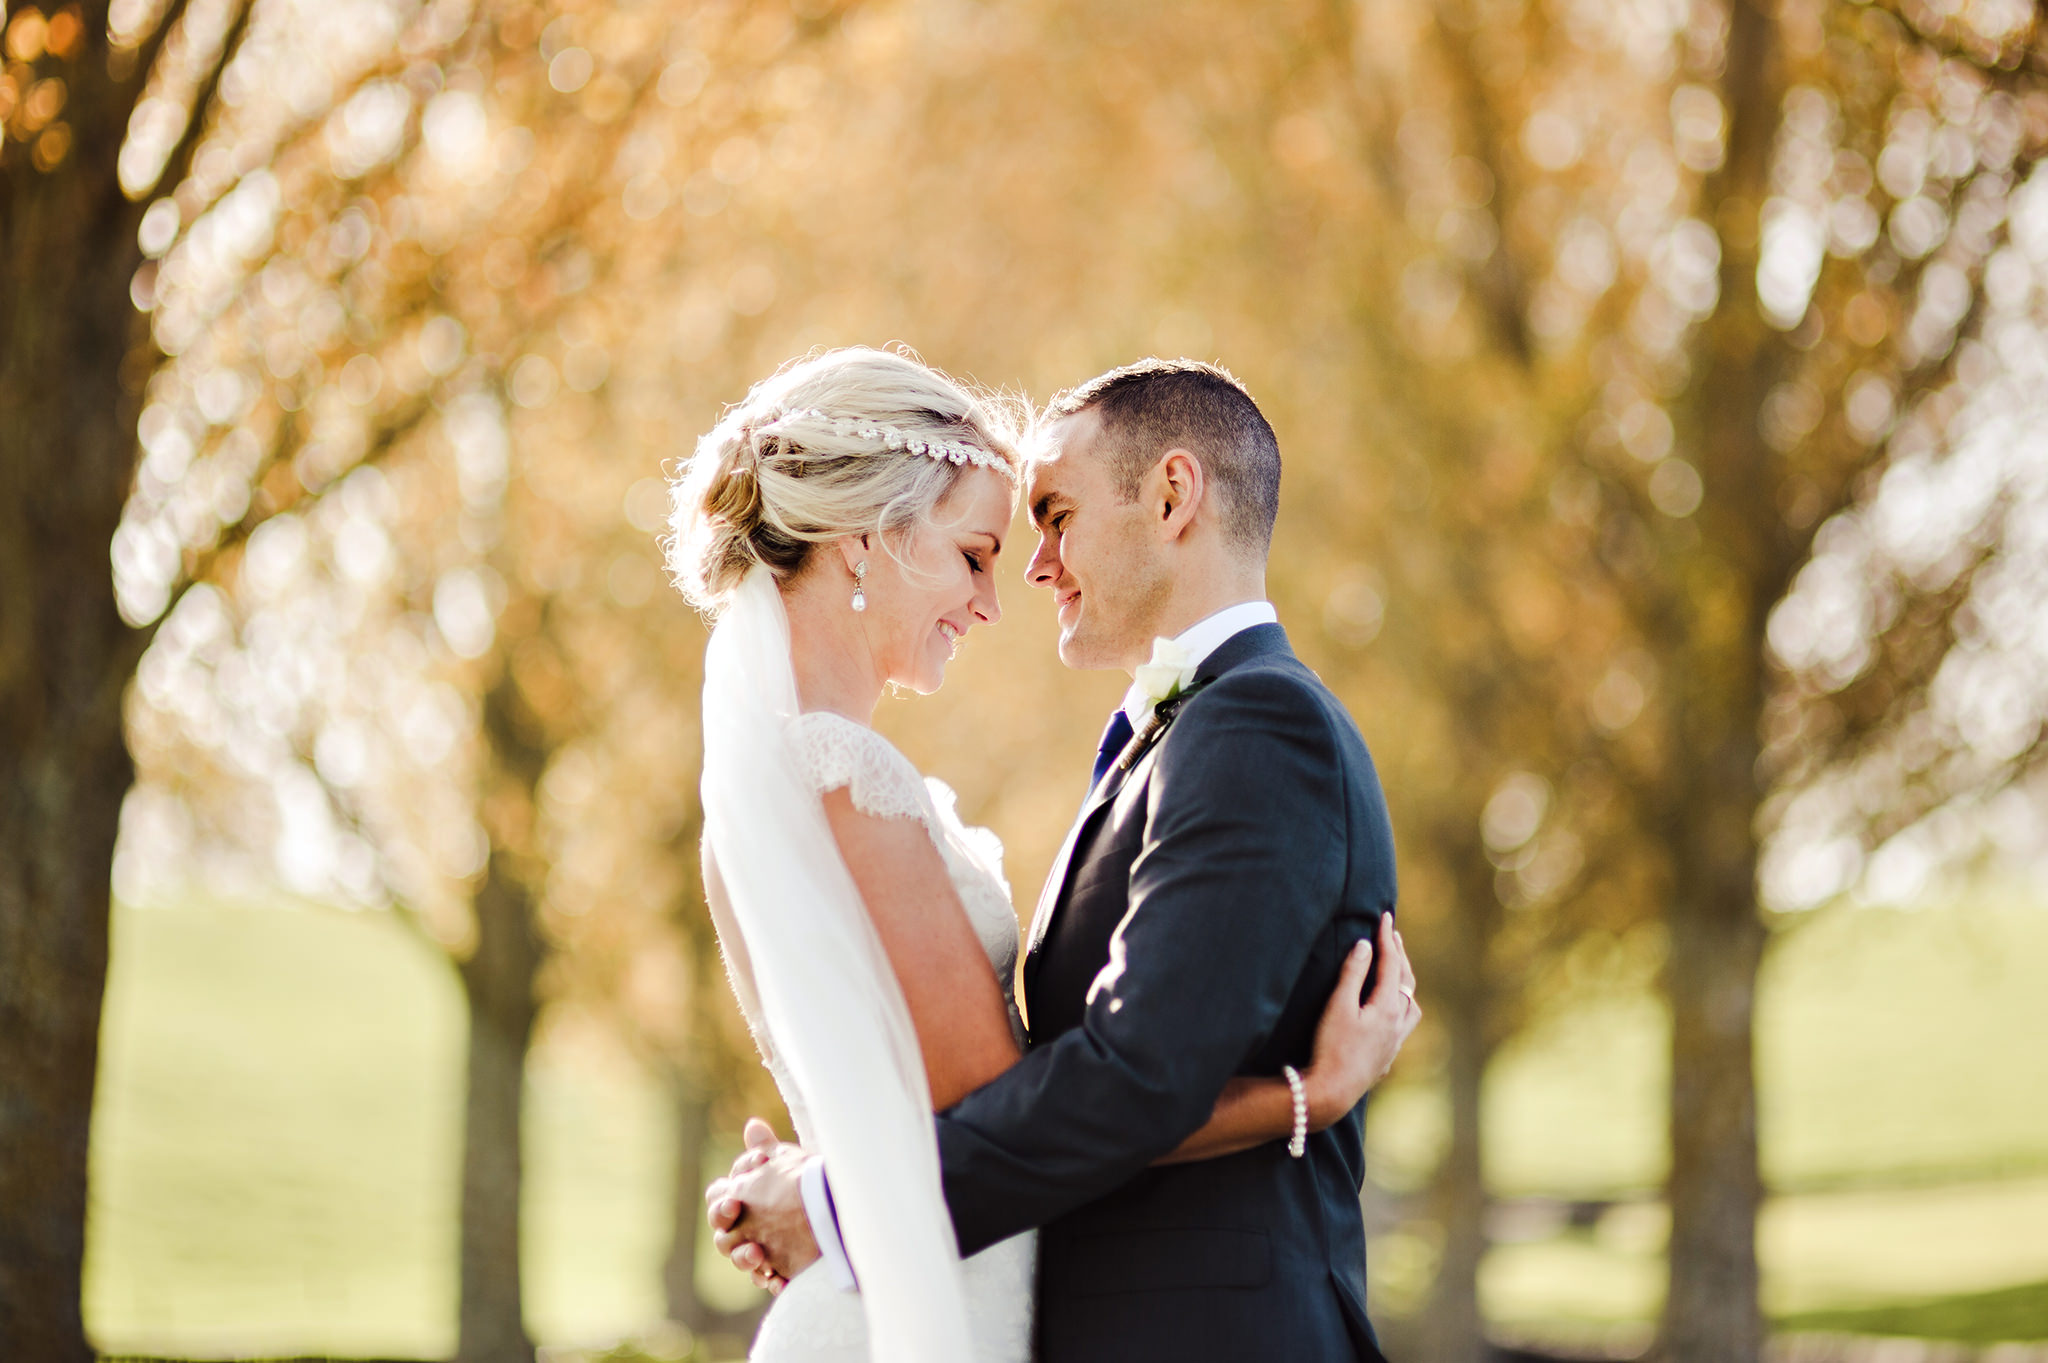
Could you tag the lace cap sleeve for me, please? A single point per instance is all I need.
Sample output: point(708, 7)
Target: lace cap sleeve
point(833, 751)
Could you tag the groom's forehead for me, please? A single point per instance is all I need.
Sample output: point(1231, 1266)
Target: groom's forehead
point(1065, 456)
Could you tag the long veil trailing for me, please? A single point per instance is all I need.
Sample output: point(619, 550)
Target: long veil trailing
point(833, 1008)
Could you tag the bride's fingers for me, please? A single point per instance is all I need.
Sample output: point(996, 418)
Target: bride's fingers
point(758, 1134)
point(726, 1242)
point(1387, 997)
point(725, 1213)
point(1385, 953)
point(1351, 975)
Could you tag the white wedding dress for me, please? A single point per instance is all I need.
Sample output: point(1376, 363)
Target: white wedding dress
point(814, 1320)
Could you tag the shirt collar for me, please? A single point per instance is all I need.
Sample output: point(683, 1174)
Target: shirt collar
point(1204, 637)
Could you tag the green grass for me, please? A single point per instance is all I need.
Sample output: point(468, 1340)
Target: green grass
point(277, 1143)
point(2010, 1313)
point(1936, 1254)
point(277, 1128)
point(1903, 1118)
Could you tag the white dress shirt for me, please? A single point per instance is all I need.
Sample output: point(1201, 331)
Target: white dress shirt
point(1199, 640)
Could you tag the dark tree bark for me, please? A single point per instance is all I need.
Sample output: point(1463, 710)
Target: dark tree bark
point(67, 456)
point(679, 1271)
point(498, 984)
point(498, 981)
point(691, 1087)
point(1714, 628)
point(1460, 999)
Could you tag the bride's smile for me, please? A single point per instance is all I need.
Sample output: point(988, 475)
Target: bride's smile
point(926, 596)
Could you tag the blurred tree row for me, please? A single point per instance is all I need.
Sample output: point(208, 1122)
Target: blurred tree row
point(1653, 380)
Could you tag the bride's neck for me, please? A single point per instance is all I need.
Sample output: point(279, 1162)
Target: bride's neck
point(828, 651)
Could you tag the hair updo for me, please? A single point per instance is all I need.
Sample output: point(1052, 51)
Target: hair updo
point(827, 447)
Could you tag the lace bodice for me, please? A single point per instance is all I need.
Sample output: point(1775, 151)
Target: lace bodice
point(834, 753)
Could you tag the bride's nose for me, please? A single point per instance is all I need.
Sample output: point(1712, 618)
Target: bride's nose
point(987, 607)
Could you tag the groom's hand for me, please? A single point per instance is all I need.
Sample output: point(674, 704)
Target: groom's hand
point(757, 1212)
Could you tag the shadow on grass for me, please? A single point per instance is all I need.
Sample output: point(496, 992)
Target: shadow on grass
point(2005, 1314)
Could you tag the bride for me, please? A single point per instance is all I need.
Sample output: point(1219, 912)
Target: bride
point(843, 525)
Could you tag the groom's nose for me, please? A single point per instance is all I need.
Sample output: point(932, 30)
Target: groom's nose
point(1044, 568)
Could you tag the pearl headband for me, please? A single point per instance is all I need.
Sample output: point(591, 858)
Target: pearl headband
point(896, 438)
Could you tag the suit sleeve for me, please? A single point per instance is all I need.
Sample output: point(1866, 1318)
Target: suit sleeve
point(1242, 867)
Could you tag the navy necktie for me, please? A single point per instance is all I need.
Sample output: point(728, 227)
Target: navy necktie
point(1114, 736)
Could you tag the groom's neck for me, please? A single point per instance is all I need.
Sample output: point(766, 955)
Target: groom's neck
point(1200, 594)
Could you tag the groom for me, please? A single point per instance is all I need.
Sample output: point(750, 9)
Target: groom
point(1233, 846)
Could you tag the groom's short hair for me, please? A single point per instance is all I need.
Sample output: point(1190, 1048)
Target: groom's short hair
point(1156, 405)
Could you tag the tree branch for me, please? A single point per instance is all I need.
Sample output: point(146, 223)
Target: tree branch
point(179, 163)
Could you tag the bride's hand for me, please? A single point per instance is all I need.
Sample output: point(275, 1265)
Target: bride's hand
point(1356, 1043)
point(731, 1199)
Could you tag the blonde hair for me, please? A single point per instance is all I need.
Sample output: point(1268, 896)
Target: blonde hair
point(848, 442)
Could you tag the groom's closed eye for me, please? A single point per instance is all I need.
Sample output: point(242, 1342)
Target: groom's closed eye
point(1050, 514)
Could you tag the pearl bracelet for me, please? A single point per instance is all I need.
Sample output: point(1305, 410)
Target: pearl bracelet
point(1297, 1144)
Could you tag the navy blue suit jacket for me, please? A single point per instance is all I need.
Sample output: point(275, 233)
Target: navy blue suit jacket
point(1195, 931)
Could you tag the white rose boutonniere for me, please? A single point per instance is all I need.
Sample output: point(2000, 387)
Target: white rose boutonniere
point(1171, 671)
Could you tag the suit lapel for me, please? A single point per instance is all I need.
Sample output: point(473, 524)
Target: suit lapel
point(1240, 647)
point(1056, 881)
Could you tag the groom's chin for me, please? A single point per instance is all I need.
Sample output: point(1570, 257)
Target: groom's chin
point(1076, 653)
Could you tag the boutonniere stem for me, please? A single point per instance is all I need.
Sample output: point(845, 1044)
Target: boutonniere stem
point(1155, 724)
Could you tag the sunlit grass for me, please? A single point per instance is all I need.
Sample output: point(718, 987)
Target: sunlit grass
point(1968, 1258)
point(1904, 1118)
point(276, 1134)
point(277, 1146)
point(2011, 1313)
point(1855, 1249)
point(1908, 1043)
point(277, 1140)
point(1892, 1045)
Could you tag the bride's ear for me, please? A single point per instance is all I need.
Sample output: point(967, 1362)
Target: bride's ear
point(853, 551)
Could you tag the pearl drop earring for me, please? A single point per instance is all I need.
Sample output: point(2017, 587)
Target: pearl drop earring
point(860, 598)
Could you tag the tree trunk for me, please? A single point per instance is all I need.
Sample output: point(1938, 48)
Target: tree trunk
point(1715, 634)
point(67, 457)
point(679, 1271)
point(1716, 1189)
point(1453, 1329)
point(498, 980)
point(65, 772)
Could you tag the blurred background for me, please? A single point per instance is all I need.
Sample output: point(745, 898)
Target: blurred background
point(1661, 385)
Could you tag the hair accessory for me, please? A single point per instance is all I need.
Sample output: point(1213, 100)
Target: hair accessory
point(896, 438)
point(1297, 1144)
point(860, 573)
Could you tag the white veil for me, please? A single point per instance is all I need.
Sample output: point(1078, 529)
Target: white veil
point(833, 1008)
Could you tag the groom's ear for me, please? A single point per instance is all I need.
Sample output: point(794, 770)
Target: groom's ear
point(1175, 492)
